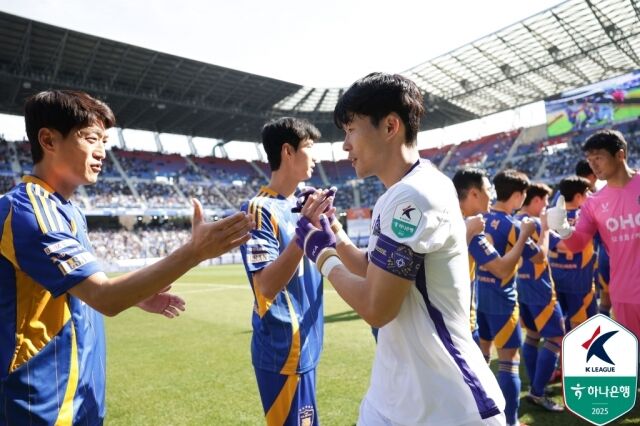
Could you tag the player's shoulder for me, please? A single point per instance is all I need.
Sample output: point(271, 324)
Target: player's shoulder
point(23, 202)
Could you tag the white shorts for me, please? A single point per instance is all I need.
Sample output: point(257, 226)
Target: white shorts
point(369, 416)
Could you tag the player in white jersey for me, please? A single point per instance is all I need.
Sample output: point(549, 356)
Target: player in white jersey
point(413, 282)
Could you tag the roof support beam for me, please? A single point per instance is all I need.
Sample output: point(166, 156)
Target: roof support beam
point(145, 72)
point(89, 65)
point(121, 63)
point(613, 33)
point(59, 55)
point(192, 81)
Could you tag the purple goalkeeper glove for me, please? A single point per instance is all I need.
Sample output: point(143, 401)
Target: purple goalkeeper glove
point(319, 245)
point(302, 198)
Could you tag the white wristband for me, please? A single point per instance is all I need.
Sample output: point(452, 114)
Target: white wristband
point(329, 264)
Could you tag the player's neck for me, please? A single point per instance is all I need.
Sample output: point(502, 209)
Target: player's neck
point(503, 206)
point(54, 180)
point(621, 177)
point(283, 184)
point(399, 164)
point(525, 211)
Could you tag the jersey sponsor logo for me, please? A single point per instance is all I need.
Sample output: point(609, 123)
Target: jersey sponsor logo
point(69, 265)
point(406, 218)
point(258, 258)
point(60, 245)
point(623, 222)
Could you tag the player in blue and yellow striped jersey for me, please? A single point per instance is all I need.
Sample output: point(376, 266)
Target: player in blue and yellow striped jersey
point(498, 310)
point(573, 273)
point(539, 310)
point(52, 290)
point(288, 311)
point(474, 195)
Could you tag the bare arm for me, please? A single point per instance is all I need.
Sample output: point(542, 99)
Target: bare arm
point(503, 266)
point(275, 276)
point(111, 296)
point(353, 258)
point(377, 297)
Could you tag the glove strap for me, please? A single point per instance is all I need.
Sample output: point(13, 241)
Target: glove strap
point(328, 262)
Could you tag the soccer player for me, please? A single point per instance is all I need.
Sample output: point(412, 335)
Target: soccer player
point(583, 169)
point(498, 310)
point(413, 281)
point(539, 310)
point(613, 211)
point(52, 290)
point(573, 273)
point(474, 196)
point(288, 312)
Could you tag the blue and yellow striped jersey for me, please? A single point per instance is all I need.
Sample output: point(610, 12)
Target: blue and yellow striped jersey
point(288, 330)
point(52, 350)
point(480, 252)
point(572, 272)
point(496, 296)
point(535, 286)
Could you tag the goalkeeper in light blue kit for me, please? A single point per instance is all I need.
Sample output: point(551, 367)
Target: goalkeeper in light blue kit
point(288, 312)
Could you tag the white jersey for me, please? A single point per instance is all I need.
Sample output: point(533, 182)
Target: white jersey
point(427, 368)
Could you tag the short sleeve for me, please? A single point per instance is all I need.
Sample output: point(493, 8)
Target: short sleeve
point(409, 218)
point(482, 250)
point(263, 247)
point(52, 256)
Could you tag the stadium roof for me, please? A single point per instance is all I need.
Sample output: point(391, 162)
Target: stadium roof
point(573, 44)
point(156, 91)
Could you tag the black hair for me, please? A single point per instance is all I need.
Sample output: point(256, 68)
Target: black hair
point(378, 95)
point(610, 140)
point(467, 179)
point(508, 181)
point(283, 130)
point(583, 168)
point(572, 185)
point(537, 189)
point(64, 111)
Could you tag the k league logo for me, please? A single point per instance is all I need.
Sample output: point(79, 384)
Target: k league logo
point(600, 370)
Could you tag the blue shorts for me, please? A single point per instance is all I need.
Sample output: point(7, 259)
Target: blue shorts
point(288, 400)
point(503, 329)
point(577, 308)
point(545, 319)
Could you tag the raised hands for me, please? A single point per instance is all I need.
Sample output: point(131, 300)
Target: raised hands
point(163, 303)
point(320, 202)
point(557, 219)
point(528, 226)
point(318, 244)
point(475, 224)
point(209, 240)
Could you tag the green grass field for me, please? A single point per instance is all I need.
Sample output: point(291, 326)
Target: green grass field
point(196, 369)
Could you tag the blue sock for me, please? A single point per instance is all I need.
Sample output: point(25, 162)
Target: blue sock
point(547, 359)
point(509, 381)
point(530, 355)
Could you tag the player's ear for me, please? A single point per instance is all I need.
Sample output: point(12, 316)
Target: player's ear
point(286, 150)
point(392, 124)
point(46, 138)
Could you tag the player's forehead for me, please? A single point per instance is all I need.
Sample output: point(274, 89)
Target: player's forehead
point(599, 152)
point(96, 127)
